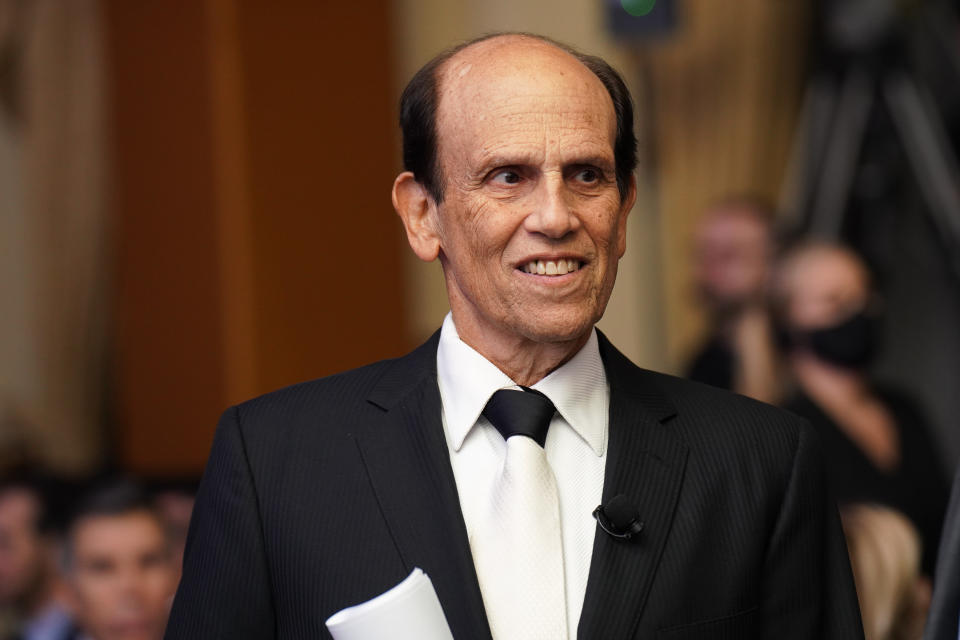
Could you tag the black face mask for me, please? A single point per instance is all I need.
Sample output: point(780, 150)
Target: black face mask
point(851, 343)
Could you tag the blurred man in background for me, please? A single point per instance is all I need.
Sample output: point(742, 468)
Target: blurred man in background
point(733, 250)
point(118, 566)
point(174, 502)
point(30, 589)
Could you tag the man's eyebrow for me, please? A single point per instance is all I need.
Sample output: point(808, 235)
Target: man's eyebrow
point(599, 160)
point(487, 162)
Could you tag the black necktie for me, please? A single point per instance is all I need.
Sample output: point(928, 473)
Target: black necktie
point(520, 413)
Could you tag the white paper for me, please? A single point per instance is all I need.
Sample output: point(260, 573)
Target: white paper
point(408, 611)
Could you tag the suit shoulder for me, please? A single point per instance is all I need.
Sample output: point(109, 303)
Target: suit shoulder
point(701, 413)
point(341, 394)
point(720, 416)
point(735, 441)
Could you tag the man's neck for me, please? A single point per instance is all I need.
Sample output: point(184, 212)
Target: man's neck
point(523, 360)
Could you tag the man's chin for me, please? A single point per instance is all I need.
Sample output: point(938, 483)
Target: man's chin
point(559, 331)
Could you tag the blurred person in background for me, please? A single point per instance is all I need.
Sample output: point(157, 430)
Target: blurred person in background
point(733, 251)
point(876, 442)
point(118, 565)
point(885, 552)
point(30, 589)
point(174, 503)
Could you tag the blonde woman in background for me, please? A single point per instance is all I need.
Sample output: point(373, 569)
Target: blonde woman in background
point(885, 554)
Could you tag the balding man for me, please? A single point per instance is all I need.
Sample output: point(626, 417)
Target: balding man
point(481, 456)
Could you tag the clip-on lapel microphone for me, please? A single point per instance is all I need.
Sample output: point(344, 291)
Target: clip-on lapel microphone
point(620, 518)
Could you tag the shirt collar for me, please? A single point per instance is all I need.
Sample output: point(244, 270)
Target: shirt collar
point(52, 622)
point(578, 389)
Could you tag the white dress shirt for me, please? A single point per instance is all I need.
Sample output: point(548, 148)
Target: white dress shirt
point(576, 444)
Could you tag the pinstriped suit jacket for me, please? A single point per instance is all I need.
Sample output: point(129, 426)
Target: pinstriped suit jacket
point(325, 494)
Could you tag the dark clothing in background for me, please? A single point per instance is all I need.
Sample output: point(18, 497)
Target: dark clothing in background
point(918, 488)
point(944, 618)
point(713, 365)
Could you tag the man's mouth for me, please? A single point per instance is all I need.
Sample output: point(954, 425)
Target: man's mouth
point(550, 267)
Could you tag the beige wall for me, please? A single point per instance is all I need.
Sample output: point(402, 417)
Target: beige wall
point(53, 236)
point(724, 89)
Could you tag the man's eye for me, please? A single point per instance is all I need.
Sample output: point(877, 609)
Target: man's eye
point(588, 175)
point(99, 566)
point(506, 177)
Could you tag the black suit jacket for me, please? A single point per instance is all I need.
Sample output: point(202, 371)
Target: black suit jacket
point(944, 618)
point(328, 493)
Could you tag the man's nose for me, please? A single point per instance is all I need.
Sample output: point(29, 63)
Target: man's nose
point(554, 212)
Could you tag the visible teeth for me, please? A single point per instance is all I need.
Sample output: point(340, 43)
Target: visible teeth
point(551, 267)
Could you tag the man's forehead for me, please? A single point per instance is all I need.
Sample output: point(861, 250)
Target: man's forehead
point(512, 79)
point(141, 519)
point(491, 61)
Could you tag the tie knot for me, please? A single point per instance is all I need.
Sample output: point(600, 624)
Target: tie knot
point(520, 413)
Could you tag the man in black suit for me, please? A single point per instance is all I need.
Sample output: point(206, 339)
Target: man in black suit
point(519, 157)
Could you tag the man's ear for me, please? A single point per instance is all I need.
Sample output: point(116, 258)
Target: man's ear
point(626, 205)
point(418, 210)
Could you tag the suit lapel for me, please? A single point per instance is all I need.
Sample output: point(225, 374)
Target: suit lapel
point(408, 463)
point(646, 461)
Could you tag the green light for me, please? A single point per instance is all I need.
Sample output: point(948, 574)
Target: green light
point(638, 7)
